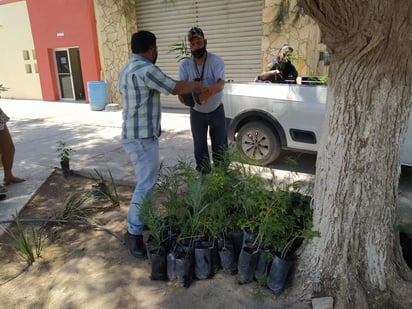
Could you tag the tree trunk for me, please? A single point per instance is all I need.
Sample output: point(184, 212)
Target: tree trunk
point(358, 259)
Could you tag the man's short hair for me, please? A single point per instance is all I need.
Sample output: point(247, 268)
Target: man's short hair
point(142, 41)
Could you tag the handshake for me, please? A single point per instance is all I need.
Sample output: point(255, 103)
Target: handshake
point(197, 97)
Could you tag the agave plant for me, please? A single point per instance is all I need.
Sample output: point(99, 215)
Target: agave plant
point(181, 48)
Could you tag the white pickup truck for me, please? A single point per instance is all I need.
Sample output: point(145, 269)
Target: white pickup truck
point(267, 118)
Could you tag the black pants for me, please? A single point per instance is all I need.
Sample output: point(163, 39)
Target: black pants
point(216, 123)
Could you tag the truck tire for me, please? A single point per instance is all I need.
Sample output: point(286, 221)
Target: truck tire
point(259, 143)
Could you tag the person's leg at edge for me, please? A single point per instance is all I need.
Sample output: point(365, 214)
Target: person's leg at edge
point(218, 134)
point(144, 155)
point(199, 126)
point(7, 150)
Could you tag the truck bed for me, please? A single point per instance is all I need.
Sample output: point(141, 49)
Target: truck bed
point(266, 118)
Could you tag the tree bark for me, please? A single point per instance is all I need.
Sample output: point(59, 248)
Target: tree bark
point(358, 259)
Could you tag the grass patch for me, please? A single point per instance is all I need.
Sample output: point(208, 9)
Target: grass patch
point(110, 191)
point(73, 207)
point(29, 242)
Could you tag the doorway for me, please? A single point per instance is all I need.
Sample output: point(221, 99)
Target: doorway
point(69, 74)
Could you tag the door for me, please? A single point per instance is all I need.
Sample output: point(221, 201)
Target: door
point(69, 74)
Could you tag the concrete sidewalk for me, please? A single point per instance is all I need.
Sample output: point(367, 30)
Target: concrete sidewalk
point(37, 126)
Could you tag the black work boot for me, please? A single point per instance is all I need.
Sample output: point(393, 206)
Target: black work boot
point(135, 245)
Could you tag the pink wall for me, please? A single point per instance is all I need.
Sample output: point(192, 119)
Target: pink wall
point(76, 20)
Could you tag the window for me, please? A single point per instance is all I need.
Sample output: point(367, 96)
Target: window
point(28, 68)
point(26, 55)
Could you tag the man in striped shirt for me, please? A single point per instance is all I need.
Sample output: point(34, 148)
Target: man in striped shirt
point(140, 84)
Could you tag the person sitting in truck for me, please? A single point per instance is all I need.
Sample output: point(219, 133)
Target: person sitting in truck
point(281, 69)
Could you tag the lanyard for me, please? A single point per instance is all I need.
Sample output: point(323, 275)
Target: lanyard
point(200, 74)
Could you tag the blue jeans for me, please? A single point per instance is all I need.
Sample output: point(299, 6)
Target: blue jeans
point(144, 155)
point(216, 123)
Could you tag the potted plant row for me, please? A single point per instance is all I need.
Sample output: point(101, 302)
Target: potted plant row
point(231, 219)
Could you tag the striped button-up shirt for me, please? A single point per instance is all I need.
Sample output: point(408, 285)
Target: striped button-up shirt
point(140, 84)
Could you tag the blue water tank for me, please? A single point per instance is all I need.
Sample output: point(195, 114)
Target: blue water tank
point(98, 97)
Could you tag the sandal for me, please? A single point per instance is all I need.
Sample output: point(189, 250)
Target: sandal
point(3, 189)
point(13, 180)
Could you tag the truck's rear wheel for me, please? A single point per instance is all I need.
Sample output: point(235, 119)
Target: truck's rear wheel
point(259, 143)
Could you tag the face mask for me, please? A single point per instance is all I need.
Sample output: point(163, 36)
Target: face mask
point(198, 53)
point(155, 58)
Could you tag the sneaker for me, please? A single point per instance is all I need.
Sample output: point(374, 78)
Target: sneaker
point(135, 245)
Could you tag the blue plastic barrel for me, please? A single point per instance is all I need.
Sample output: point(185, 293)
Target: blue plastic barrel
point(98, 97)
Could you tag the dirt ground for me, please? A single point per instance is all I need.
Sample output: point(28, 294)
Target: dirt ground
point(82, 267)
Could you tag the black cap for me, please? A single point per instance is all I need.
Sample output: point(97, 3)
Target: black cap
point(195, 32)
